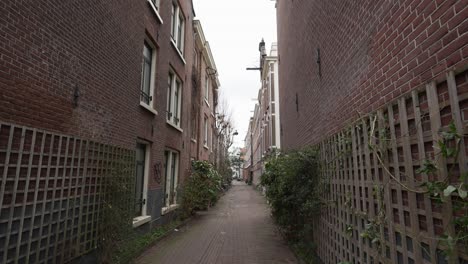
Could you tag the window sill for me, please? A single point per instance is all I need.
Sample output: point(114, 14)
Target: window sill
point(155, 11)
point(206, 102)
point(205, 146)
point(193, 140)
point(168, 209)
point(178, 51)
point(140, 220)
point(147, 107)
point(174, 126)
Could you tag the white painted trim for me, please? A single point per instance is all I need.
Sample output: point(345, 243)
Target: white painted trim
point(205, 146)
point(171, 101)
point(168, 178)
point(144, 218)
point(174, 126)
point(176, 180)
point(168, 209)
point(178, 51)
point(153, 75)
point(140, 220)
point(167, 175)
point(206, 102)
point(155, 11)
point(147, 107)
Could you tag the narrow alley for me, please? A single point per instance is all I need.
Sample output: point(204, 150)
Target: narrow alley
point(238, 229)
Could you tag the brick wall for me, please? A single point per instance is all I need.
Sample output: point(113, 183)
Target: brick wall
point(49, 51)
point(82, 46)
point(370, 53)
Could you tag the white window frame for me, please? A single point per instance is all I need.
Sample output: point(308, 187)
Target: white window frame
point(156, 6)
point(168, 178)
point(211, 138)
point(178, 21)
point(207, 90)
point(205, 138)
point(193, 126)
point(172, 102)
point(150, 106)
point(144, 217)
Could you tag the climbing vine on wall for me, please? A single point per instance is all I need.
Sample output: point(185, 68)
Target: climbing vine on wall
point(295, 191)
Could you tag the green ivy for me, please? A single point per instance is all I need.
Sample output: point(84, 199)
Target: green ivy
point(295, 191)
point(202, 188)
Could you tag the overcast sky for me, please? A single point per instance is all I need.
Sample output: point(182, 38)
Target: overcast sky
point(234, 28)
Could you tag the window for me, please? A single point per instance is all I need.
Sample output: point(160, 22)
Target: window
point(399, 258)
point(205, 139)
point(207, 89)
point(193, 124)
point(409, 244)
point(174, 97)
point(147, 75)
point(398, 239)
point(156, 4)
point(141, 184)
point(406, 216)
point(171, 167)
point(178, 27)
point(425, 251)
point(195, 58)
point(422, 222)
point(212, 138)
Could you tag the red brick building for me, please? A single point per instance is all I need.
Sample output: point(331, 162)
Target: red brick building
point(399, 66)
point(204, 98)
point(85, 86)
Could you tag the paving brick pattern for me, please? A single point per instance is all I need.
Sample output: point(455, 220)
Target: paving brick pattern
point(238, 229)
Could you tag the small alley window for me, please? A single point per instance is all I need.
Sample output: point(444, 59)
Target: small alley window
point(141, 184)
point(193, 124)
point(205, 139)
point(174, 98)
point(207, 89)
point(147, 74)
point(171, 167)
point(178, 27)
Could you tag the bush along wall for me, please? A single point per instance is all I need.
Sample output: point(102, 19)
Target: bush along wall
point(294, 189)
point(202, 189)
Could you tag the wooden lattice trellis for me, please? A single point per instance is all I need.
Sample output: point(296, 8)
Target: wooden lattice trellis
point(51, 187)
point(405, 132)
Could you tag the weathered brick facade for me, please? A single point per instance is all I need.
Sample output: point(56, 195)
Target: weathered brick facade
point(371, 52)
point(204, 99)
point(373, 84)
point(76, 69)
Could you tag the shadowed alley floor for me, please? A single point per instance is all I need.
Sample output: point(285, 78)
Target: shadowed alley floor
point(238, 229)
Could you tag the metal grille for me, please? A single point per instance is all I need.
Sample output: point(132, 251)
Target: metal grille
point(405, 132)
point(51, 191)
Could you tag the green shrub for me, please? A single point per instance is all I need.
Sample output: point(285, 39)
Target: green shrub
point(202, 188)
point(295, 192)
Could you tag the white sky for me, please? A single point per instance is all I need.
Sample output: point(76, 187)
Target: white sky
point(234, 28)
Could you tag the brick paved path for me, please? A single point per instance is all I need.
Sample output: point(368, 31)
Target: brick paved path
point(237, 230)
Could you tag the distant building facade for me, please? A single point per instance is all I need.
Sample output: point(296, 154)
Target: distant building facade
point(263, 135)
point(204, 99)
point(355, 74)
